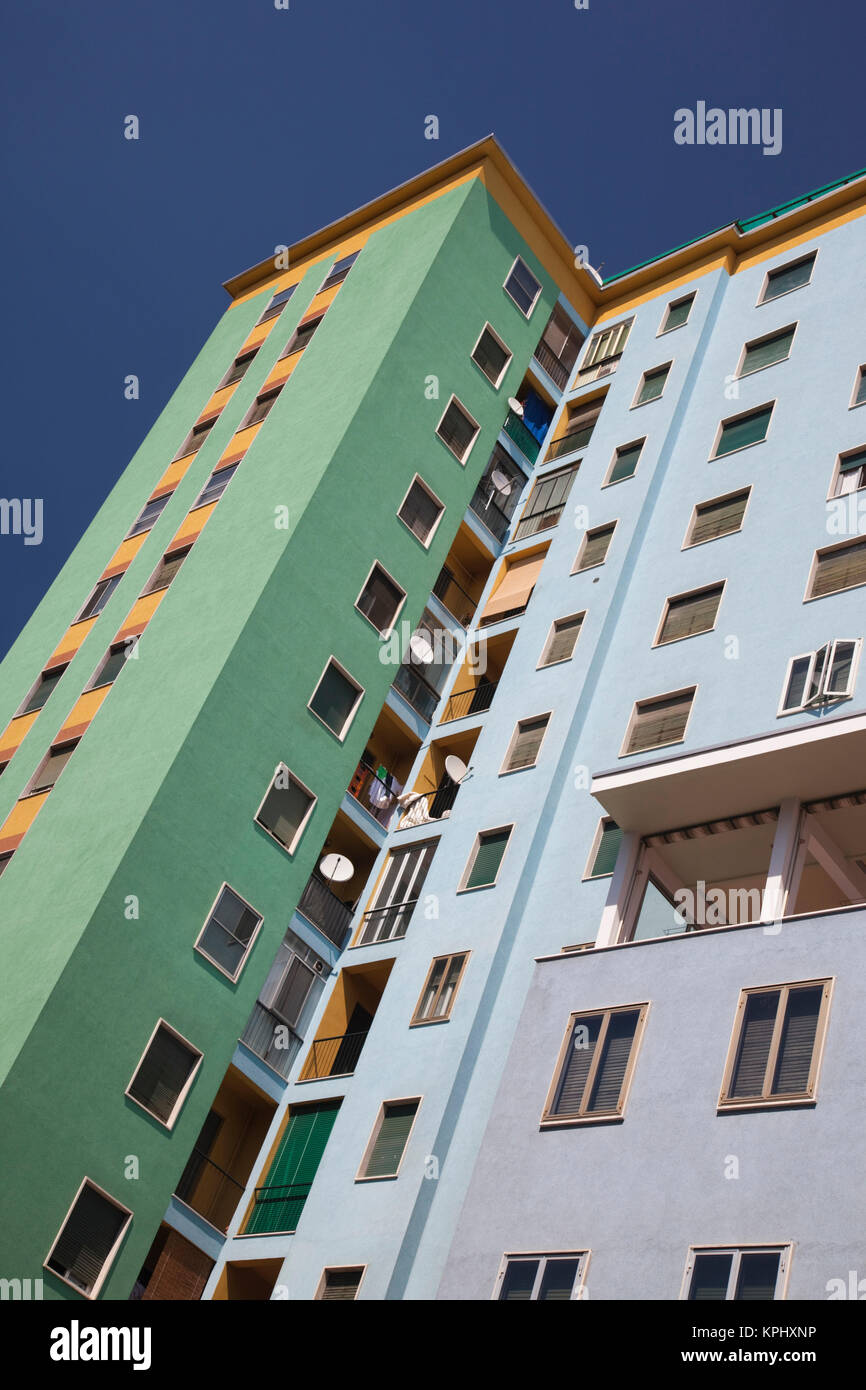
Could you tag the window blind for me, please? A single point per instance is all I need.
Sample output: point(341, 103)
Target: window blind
point(718, 518)
point(488, 857)
point(87, 1239)
point(572, 1085)
point(659, 722)
point(844, 567)
point(691, 614)
point(653, 385)
point(794, 1062)
point(849, 462)
point(759, 1019)
point(626, 462)
point(341, 1285)
point(789, 277)
point(748, 429)
point(595, 547)
point(514, 587)
point(765, 353)
point(608, 850)
point(490, 356)
point(391, 1139)
point(678, 313)
point(526, 746)
point(616, 1050)
point(522, 285)
point(456, 429)
point(162, 1073)
point(563, 640)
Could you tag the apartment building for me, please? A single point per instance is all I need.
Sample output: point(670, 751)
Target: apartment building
point(457, 892)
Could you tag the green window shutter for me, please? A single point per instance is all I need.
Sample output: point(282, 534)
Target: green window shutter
point(849, 462)
point(660, 722)
point(678, 313)
point(771, 350)
point(488, 857)
point(616, 1050)
point(626, 462)
point(608, 849)
point(581, 1050)
point(280, 1202)
point(789, 277)
point(596, 547)
point(687, 616)
point(757, 1276)
point(748, 429)
point(797, 1042)
point(525, 749)
point(391, 1139)
point(756, 1035)
point(710, 1277)
point(653, 385)
point(718, 518)
point(841, 568)
point(565, 634)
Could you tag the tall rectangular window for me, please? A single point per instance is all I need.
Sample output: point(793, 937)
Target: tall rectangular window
point(389, 1139)
point(43, 688)
point(286, 808)
point(111, 664)
point(165, 1073)
point(546, 503)
point(740, 1273)
point(595, 1065)
point(278, 1203)
point(421, 511)
point(239, 368)
point(788, 277)
point(50, 768)
point(721, 516)
point(605, 849)
point(562, 640)
point(685, 615)
point(381, 599)
point(302, 335)
point(486, 858)
point(764, 352)
point(850, 475)
point(776, 1048)
point(522, 286)
point(228, 934)
point(606, 345)
point(677, 313)
point(838, 567)
point(491, 355)
point(742, 430)
point(397, 893)
point(860, 387)
point(594, 547)
point(89, 1239)
point(197, 436)
point(215, 486)
point(657, 723)
point(440, 989)
point(457, 429)
point(526, 743)
point(541, 1278)
point(165, 571)
point(262, 406)
point(575, 429)
point(340, 1285)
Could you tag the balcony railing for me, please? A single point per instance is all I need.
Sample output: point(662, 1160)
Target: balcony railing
point(538, 521)
point(477, 700)
point(429, 806)
point(271, 1039)
point(504, 617)
point(420, 694)
point(556, 370)
point(209, 1190)
point(373, 793)
point(491, 516)
point(387, 923)
point(523, 437)
point(277, 1208)
point(325, 910)
point(454, 597)
point(578, 439)
point(333, 1056)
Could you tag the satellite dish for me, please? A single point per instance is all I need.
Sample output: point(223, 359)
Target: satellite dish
point(421, 645)
point(501, 481)
point(336, 868)
point(515, 405)
point(455, 767)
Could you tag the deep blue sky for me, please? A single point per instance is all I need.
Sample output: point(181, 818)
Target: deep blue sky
point(259, 125)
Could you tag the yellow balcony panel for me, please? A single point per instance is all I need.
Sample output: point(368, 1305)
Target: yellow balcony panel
point(282, 370)
point(70, 642)
point(321, 302)
point(81, 714)
point(19, 821)
point(192, 527)
point(13, 735)
point(257, 336)
point(140, 615)
point(218, 400)
point(172, 476)
point(124, 554)
point(242, 440)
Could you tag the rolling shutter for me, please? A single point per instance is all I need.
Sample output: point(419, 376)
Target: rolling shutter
point(595, 547)
point(850, 462)
point(626, 462)
point(765, 353)
point(653, 385)
point(490, 356)
point(87, 1239)
point(391, 1139)
point(659, 722)
point(616, 1050)
point(527, 743)
point(713, 519)
point(788, 278)
point(608, 849)
point(181, 1273)
point(841, 568)
point(678, 313)
point(456, 429)
point(749, 429)
point(581, 1051)
point(488, 857)
point(163, 1073)
point(341, 1285)
point(794, 1061)
point(759, 1018)
point(561, 645)
point(515, 586)
point(692, 614)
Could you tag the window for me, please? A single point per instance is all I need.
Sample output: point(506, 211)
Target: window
point(522, 286)
point(742, 430)
point(149, 515)
point(624, 462)
point(336, 698)
point(787, 277)
point(860, 388)
point(546, 502)
point(677, 313)
point(579, 425)
point(50, 769)
point(562, 640)
point(457, 429)
point(340, 1285)
point(850, 475)
point(652, 384)
point(197, 436)
point(605, 848)
point(594, 547)
point(541, 1278)
point(656, 723)
point(165, 571)
point(525, 743)
point(238, 368)
point(286, 808)
point(816, 678)
point(215, 486)
point(389, 1139)
point(4, 858)
point(111, 664)
point(381, 599)
point(486, 858)
point(557, 350)
point(280, 1200)
point(89, 1239)
point(228, 934)
point(775, 1051)
point(440, 990)
point(164, 1074)
point(260, 408)
point(491, 355)
point(605, 346)
point(721, 516)
point(302, 335)
point(277, 303)
point(763, 352)
point(421, 511)
point(43, 688)
point(338, 272)
point(595, 1065)
point(838, 567)
point(397, 893)
point(686, 615)
point(99, 598)
point(748, 1273)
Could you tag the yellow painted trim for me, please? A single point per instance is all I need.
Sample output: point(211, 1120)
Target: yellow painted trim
point(192, 527)
point(282, 370)
point(218, 400)
point(70, 642)
point(81, 714)
point(172, 475)
point(140, 615)
point(259, 332)
point(14, 733)
point(125, 553)
point(19, 820)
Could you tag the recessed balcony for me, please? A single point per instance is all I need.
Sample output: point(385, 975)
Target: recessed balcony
point(222, 1158)
point(343, 1029)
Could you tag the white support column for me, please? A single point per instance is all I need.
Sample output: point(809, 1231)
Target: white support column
point(613, 916)
point(783, 858)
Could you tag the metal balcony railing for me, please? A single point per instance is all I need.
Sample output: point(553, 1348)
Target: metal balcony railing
point(271, 1039)
point(488, 513)
point(333, 1056)
point(578, 439)
point(476, 700)
point(373, 793)
point(454, 597)
point(325, 910)
point(387, 923)
point(522, 437)
point(429, 806)
point(209, 1190)
point(538, 521)
point(420, 694)
point(277, 1208)
point(556, 370)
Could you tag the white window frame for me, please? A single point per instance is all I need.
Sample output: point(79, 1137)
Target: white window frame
point(505, 770)
point(415, 1021)
point(440, 504)
point(665, 367)
point(732, 420)
point(361, 1176)
point(591, 530)
point(182, 1095)
point(672, 304)
point(454, 400)
point(197, 946)
point(288, 849)
point(564, 618)
point(784, 1249)
point(597, 332)
point(588, 876)
point(688, 593)
point(112, 1254)
point(527, 313)
point(822, 696)
point(519, 1256)
point(509, 355)
point(833, 495)
point(787, 265)
point(359, 689)
point(860, 377)
point(740, 375)
point(651, 700)
point(624, 448)
point(383, 632)
point(809, 597)
point(706, 502)
point(476, 845)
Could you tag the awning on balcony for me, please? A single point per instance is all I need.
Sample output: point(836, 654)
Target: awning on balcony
point(513, 587)
point(813, 762)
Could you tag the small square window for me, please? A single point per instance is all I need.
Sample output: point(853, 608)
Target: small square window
point(561, 640)
point(215, 486)
point(838, 567)
point(721, 516)
point(389, 1139)
point(522, 286)
point(788, 277)
point(99, 598)
point(677, 313)
point(336, 698)
point(421, 511)
point(338, 272)
point(595, 1065)
point(440, 989)
point(164, 1075)
point(742, 430)
point(42, 690)
point(381, 599)
point(277, 303)
point(286, 808)
point(748, 1273)
point(605, 849)
point(340, 1285)
point(821, 677)
point(525, 743)
point(624, 463)
point(652, 384)
point(89, 1239)
point(594, 547)
point(149, 515)
point(541, 1278)
point(657, 723)
point(165, 571)
point(50, 768)
point(457, 430)
point(776, 1046)
point(486, 858)
point(228, 934)
point(686, 615)
point(765, 352)
point(491, 355)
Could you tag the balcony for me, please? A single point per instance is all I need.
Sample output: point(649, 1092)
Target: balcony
point(527, 426)
point(575, 428)
point(347, 1020)
point(422, 807)
point(528, 445)
point(474, 699)
point(334, 1056)
point(417, 691)
point(548, 360)
point(460, 604)
point(277, 1208)
point(387, 923)
point(272, 1039)
point(321, 906)
point(497, 494)
point(222, 1158)
point(560, 343)
point(439, 779)
point(209, 1190)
